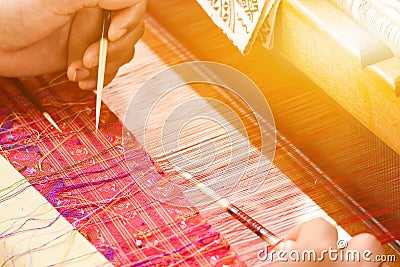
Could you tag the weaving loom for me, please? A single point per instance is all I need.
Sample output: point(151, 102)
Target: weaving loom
point(326, 163)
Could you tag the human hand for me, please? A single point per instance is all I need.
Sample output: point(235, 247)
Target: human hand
point(319, 235)
point(44, 36)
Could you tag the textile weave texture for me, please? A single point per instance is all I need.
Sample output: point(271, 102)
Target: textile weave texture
point(83, 175)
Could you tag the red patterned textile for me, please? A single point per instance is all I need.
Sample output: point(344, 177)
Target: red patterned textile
point(84, 176)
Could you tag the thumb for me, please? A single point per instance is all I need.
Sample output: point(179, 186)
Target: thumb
point(84, 32)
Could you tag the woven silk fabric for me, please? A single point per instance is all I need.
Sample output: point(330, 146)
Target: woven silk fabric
point(83, 175)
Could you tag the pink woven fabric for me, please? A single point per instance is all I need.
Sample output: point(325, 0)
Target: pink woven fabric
point(84, 176)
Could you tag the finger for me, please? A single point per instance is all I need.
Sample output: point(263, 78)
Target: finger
point(123, 21)
point(118, 60)
point(76, 71)
point(111, 71)
point(91, 83)
point(318, 234)
point(114, 63)
point(110, 77)
point(87, 19)
point(365, 249)
point(126, 43)
point(84, 31)
point(87, 84)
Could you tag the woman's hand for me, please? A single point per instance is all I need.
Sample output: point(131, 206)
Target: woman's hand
point(44, 36)
point(319, 236)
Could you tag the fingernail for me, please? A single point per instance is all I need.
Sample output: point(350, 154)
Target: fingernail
point(119, 34)
point(80, 74)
